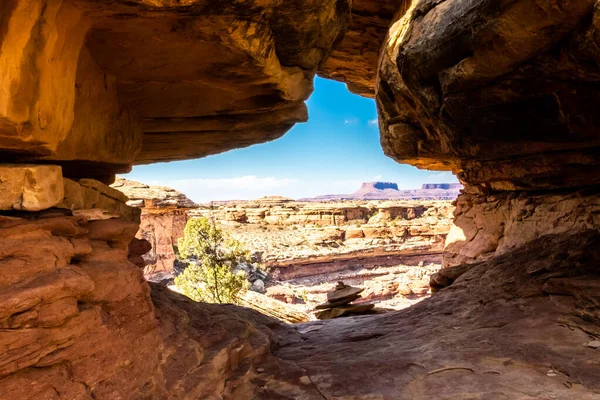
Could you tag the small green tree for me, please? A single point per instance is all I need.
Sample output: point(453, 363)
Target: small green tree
point(211, 276)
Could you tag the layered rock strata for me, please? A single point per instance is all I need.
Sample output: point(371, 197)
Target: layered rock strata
point(163, 219)
point(78, 320)
point(69, 328)
point(504, 94)
point(294, 230)
point(522, 325)
point(486, 226)
point(97, 87)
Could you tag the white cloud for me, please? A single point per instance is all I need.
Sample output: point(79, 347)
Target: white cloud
point(204, 190)
point(373, 121)
point(378, 177)
point(351, 121)
point(236, 188)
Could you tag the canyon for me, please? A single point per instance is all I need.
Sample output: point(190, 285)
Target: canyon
point(390, 248)
point(502, 93)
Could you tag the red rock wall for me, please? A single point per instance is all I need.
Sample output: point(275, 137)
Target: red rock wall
point(78, 320)
point(487, 226)
point(162, 229)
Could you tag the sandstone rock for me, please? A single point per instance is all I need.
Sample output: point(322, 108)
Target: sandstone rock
point(163, 220)
point(325, 236)
point(139, 247)
point(96, 96)
point(342, 292)
point(104, 189)
point(345, 310)
point(354, 60)
point(161, 230)
point(30, 187)
point(498, 309)
point(282, 293)
point(486, 226)
point(272, 308)
point(482, 90)
point(118, 233)
point(150, 196)
point(446, 276)
point(258, 286)
point(92, 200)
point(354, 233)
point(504, 94)
point(95, 214)
point(404, 289)
point(340, 302)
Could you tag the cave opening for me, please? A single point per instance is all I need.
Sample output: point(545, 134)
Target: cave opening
point(504, 94)
point(318, 206)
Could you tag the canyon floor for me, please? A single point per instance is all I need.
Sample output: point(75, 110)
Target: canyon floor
point(389, 248)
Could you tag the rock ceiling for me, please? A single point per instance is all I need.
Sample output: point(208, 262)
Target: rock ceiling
point(502, 93)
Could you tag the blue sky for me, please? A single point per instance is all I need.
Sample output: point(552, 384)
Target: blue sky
point(334, 152)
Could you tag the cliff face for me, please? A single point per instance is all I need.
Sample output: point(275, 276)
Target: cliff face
point(503, 93)
point(163, 219)
point(98, 87)
point(295, 232)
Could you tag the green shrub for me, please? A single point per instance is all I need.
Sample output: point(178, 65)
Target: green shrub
point(211, 276)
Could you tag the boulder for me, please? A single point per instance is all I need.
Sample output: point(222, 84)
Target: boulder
point(258, 286)
point(30, 187)
point(345, 310)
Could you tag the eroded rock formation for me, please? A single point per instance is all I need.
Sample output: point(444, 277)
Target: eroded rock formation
point(503, 93)
point(486, 226)
point(98, 87)
point(291, 234)
point(163, 219)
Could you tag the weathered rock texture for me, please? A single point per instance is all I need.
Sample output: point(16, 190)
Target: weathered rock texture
point(296, 233)
point(486, 226)
point(503, 93)
point(77, 320)
point(99, 86)
point(355, 60)
point(30, 187)
point(518, 326)
point(163, 219)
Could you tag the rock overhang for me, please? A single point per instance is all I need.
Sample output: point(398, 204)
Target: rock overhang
point(504, 94)
point(501, 93)
point(136, 82)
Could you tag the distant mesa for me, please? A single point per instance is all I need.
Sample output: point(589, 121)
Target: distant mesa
point(370, 186)
point(445, 186)
point(390, 191)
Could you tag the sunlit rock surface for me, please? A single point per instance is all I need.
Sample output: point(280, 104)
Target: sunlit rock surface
point(100, 86)
point(503, 93)
point(486, 226)
point(163, 219)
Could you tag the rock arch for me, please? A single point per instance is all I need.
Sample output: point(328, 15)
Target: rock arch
point(503, 93)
